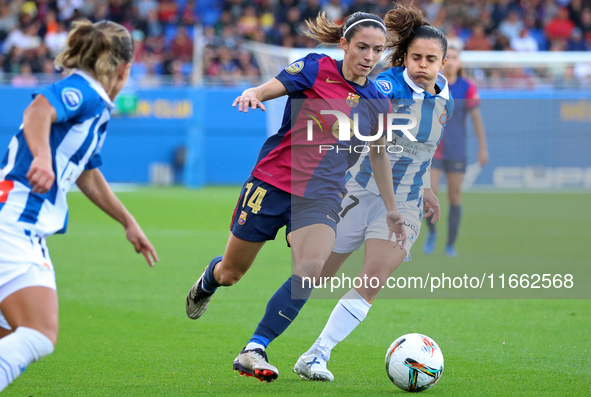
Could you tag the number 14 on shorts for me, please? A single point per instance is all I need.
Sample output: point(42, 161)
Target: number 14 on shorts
point(255, 201)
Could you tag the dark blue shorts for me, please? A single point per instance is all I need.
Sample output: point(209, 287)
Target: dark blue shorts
point(263, 209)
point(449, 165)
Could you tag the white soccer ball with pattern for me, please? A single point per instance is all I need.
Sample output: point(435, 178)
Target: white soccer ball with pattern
point(414, 362)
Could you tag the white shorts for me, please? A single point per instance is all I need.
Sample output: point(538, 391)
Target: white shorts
point(364, 217)
point(24, 262)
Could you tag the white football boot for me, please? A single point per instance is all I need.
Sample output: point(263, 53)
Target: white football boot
point(312, 366)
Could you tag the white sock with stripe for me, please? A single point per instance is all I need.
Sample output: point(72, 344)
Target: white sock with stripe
point(19, 349)
point(349, 312)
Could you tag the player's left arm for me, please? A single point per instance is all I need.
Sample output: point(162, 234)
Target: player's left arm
point(382, 172)
point(94, 185)
point(480, 135)
point(473, 102)
point(431, 202)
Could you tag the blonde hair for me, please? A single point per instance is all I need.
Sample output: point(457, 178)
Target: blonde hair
point(405, 24)
point(327, 32)
point(98, 48)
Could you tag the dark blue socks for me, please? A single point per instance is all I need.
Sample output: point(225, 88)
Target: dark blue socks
point(282, 309)
point(209, 283)
point(455, 214)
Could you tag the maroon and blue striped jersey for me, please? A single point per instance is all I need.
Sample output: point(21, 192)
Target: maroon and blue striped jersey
point(315, 166)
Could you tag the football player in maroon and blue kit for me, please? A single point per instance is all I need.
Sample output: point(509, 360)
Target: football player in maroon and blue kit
point(294, 184)
point(450, 156)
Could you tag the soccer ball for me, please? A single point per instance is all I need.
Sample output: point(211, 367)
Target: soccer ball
point(414, 362)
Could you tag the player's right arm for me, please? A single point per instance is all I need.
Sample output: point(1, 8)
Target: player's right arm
point(253, 97)
point(37, 120)
point(298, 76)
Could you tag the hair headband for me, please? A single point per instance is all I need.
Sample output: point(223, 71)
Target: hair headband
point(364, 20)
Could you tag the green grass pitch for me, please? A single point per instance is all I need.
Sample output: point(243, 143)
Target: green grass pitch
point(123, 329)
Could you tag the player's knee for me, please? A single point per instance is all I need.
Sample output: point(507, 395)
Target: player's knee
point(50, 331)
point(46, 325)
point(309, 268)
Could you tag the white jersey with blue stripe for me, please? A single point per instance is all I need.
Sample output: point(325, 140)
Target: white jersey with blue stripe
point(410, 159)
point(83, 109)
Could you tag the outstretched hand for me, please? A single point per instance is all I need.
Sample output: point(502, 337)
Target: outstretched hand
point(140, 242)
point(248, 99)
point(431, 203)
point(482, 155)
point(396, 226)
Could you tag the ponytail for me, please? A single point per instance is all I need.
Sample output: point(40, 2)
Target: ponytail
point(98, 48)
point(405, 24)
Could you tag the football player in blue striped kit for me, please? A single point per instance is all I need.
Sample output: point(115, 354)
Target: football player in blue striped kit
point(415, 87)
point(59, 143)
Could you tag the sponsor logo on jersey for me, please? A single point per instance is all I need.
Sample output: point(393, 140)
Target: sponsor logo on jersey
point(385, 86)
point(352, 100)
point(72, 98)
point(295, 67)
point(242, 218)
point(328, 80)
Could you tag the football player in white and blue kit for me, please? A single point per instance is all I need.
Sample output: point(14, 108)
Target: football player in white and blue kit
point(415, 88)
point(58, 144)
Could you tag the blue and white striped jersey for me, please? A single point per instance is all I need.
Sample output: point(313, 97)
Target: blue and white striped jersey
point(83, 109)
point(410, 160)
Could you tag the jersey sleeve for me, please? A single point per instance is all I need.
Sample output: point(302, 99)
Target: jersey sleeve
point(301, 74)
point(472, 97)
point(388, 86)
point(70, 100)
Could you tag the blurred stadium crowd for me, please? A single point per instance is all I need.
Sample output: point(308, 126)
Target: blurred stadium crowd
point(31, 32)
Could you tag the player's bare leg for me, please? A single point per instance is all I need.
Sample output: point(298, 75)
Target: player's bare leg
point(238, 258)
point(32, 313)
point(311, 246)
point(4, 332)
point(380, 260)
point(333, 264)
point(223, 270)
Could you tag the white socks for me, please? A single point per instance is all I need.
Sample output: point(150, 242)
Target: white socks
point(349, 312)
point(19, 349)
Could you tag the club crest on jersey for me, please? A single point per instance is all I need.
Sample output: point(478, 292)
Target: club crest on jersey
point(385, 86)
point(443, 117)
point(242, 218)
point(295, 67)
point(352, 100)
point(72, 98)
